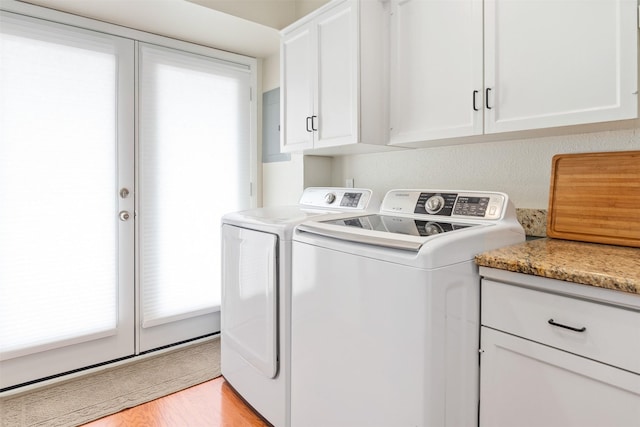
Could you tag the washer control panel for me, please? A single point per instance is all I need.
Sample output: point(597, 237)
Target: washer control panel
point(462, 204)
point(334, 197)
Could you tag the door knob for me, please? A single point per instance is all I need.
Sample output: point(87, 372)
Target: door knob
point(124, 215)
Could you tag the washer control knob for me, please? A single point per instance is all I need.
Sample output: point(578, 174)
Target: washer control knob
point(434, 204)
point(330, 198)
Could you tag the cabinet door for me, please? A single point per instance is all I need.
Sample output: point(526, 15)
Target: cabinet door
point(557, 63)
point(436, 69)
point(336, 101)
point(523, 383)
point(297, 62)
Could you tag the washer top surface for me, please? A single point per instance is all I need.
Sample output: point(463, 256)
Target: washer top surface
point(431, 227)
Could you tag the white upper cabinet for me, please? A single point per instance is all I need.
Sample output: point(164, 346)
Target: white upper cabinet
point(436, 69)
point(333, 77)
point(297, 65)
point(558, 63)
point(543, 64)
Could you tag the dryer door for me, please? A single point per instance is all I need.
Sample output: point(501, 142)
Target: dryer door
point(249, 295)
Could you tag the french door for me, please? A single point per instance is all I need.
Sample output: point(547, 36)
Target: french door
point(117, 160)
point(193, 168)
point(66, 222)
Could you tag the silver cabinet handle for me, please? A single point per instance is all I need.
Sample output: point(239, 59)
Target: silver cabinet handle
point(124, 215)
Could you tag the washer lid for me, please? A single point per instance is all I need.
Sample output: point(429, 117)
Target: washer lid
point(399, 224)
point(384, 230)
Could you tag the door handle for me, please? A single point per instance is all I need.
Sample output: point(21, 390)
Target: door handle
point(309, 128)
point(313, 123)
point(475, 95)
point(486, 98)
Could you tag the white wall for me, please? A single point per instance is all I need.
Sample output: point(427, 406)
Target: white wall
point(275, 14)
point(282, 182)
point(271, 72)
point(520, 168)
point(305, 7)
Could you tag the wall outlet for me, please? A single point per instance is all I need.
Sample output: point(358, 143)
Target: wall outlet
point(349, 183)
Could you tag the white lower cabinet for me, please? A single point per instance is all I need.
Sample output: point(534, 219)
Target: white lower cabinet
point(527, 384)
point(550, 358)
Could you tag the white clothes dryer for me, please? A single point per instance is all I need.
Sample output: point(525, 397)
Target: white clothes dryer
point(385, 310)
point(256, 294)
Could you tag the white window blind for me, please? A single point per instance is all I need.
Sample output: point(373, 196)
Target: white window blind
point(58, 226)
point(194, 167)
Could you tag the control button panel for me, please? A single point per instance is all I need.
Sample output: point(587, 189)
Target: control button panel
point(334, 197)
point(350, 200)
point(472, 206)
point(468, 204)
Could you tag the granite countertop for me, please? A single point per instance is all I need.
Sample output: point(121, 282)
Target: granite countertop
point(604, 266)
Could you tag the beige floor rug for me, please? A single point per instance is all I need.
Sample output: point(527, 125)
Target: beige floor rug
point(106, 392)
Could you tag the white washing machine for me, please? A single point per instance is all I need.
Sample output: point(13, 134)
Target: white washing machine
point(385, 310)
point(256, 294)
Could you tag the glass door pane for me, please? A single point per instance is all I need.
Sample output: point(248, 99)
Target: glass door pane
point(193, 167)
point(66, 147)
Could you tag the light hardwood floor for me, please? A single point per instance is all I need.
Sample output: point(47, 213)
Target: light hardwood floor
point(211, 404)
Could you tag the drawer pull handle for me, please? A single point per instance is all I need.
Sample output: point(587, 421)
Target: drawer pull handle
point(552, 322)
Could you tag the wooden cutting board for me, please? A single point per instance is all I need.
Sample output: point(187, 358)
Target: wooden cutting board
point(595, 197)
